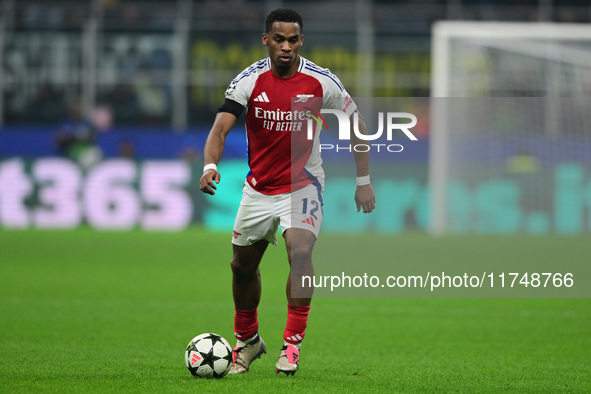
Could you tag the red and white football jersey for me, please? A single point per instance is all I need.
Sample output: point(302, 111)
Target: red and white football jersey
point(280, 160)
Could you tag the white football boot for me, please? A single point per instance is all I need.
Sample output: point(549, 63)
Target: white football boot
point(288, 362)
point(245, 355)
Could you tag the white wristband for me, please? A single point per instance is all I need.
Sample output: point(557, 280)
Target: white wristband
point(210, 166)
point(363, 180)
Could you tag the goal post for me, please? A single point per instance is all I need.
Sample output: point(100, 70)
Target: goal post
point(540, 76)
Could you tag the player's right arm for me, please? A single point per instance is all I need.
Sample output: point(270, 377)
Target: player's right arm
point(237, 98)
point(214, 148)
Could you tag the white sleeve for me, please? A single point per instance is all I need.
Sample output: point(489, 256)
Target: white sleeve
point(238, 91)
point(336, 97)
point(241, 87)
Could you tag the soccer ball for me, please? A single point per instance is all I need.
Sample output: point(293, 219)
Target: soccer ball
point(208, 356)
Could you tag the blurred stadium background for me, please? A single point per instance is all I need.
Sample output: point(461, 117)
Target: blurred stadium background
point(127, 90)
point(104, 111)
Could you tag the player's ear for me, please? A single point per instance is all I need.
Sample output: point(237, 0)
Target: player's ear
point(264, 39)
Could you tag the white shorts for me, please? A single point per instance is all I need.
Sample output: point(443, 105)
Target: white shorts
point(260, 215)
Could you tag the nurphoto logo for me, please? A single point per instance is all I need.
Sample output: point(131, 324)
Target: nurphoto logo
point(394, 121)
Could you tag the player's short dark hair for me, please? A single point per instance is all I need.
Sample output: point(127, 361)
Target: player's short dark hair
point(283, 15)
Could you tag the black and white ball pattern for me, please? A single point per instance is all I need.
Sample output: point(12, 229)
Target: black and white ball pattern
point(208, 356)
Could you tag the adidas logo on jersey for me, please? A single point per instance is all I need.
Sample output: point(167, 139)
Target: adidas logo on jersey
point(309, 221)
point(262, 98)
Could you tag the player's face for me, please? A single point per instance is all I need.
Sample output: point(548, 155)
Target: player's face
point(283, 42)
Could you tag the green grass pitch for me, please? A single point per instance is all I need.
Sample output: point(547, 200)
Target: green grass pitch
point(87, 311)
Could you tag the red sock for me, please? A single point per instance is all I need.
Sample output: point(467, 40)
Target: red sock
point(297, 320)
point(246, 324)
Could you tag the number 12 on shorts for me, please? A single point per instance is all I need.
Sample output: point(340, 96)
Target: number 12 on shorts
point(314, 205)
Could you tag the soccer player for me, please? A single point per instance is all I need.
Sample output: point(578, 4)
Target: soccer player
point(285, 183)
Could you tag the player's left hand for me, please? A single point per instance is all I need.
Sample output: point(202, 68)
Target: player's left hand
point(365, 198)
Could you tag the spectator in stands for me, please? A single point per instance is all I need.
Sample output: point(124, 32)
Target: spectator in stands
point(75, 139)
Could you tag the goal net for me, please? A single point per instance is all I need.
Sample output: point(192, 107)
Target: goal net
point(510, 142)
